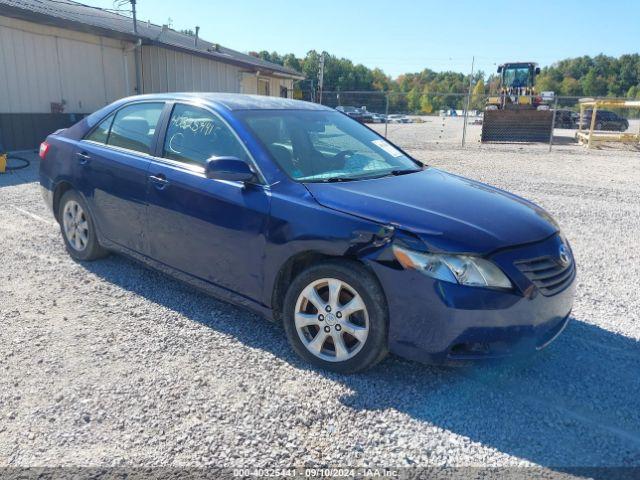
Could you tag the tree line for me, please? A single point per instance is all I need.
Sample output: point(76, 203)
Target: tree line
point(600, 76)
point(429, 91)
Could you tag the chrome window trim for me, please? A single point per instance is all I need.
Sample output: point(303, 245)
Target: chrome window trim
point(185, 167)
point(118, 149)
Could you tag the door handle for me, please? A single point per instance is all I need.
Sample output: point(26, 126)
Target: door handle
point(159, 181)
point(83, 158)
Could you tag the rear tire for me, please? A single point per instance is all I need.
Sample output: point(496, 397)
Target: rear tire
point(78, 228)
point(335, 316)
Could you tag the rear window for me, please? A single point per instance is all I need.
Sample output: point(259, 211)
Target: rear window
point(131, 127)
point(134, 126)
point(101, 132)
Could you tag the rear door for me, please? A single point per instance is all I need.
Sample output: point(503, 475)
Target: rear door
point(114, 159)
point(211, 229)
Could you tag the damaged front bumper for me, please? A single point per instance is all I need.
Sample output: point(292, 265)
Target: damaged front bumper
point(432, 321)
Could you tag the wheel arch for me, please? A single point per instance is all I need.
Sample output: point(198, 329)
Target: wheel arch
point(298, 263)
point(60, 189)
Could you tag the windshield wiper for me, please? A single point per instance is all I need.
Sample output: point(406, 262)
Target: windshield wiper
point(364, 177)
point(404, 172)
point(338, 179)
point(327, 179)
point(395, 173)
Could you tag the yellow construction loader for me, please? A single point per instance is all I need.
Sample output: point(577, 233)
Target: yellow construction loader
point(517, 113)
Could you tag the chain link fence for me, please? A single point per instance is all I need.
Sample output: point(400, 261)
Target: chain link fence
point(458, 120)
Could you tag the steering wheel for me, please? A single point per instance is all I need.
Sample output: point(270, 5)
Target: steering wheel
point(339, 159)
point(342, 155)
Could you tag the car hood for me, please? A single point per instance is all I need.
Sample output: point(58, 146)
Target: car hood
point(448, 212)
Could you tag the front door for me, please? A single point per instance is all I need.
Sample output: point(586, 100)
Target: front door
point(211, 229)
point(113, 161)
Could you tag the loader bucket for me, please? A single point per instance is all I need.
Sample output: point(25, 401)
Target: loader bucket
point(525, 125)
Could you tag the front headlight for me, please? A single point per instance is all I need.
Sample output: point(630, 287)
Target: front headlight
point(462, 269)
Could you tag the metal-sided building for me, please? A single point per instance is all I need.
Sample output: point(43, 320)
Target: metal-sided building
point(60, 60)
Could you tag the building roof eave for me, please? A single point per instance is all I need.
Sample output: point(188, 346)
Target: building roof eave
point(221, 54)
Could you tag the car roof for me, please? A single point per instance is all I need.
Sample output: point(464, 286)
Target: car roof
point(235, 101)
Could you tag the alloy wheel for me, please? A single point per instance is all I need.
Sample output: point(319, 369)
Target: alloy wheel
point(331, 320)
point(76, 225)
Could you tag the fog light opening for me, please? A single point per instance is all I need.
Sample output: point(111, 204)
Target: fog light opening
point(470, 348)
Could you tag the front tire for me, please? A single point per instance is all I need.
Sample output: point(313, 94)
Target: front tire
point(78, 228)
point(335, 316)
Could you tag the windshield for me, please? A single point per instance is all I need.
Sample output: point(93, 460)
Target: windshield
point(323, 145)
point(517, 77)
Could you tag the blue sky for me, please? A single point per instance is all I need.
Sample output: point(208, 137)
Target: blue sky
point(406, 36)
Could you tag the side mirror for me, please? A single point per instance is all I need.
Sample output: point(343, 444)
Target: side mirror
point(500, 69)
point(228, 168)
point(537, 70)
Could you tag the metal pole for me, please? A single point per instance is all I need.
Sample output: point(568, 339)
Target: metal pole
point(594, 112)
point(136, 59)
point(579, 132)
point(553, 121)
point(466, 110)
point(135, 21)
point(580, 117)
point(386, 115)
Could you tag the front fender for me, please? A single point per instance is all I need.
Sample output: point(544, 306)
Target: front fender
point(300, 224)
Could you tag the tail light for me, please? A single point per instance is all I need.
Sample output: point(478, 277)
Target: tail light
point(44, 149)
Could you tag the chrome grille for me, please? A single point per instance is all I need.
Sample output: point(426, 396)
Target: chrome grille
point(547, 274)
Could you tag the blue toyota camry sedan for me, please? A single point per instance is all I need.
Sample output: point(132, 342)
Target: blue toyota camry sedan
point(309, 218)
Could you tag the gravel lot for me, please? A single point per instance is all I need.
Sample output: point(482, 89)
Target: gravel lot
point(108, 363)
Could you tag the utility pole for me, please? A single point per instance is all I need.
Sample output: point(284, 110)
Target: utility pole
point(321, 78)
point(135, 21)
point(466, 110)
point(135, 51)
